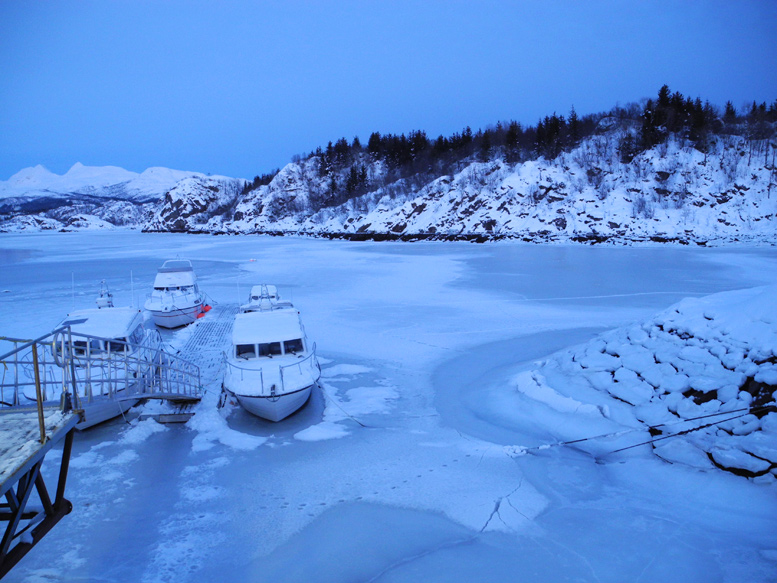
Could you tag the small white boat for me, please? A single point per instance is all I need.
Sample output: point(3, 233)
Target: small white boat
point(176, 299)
point(271, 369)
point(265, 297)
point(111, 351)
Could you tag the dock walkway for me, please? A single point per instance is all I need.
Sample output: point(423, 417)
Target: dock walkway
point(211, 338)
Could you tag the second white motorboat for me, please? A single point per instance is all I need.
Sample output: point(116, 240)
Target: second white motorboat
point(176, 299)
point(271, 369)
point(110, 351)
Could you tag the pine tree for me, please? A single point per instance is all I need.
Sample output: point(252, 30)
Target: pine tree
point(649, 135)
point(485, 147)
point(540, 141)
point(730, 115)
point(512, 138)
point(375, 146)
point(574, 128)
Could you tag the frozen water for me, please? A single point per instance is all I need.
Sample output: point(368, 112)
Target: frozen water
point(398, 471)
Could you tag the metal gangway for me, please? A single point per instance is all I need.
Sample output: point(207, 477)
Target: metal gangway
point(27, 434)
point(100, 377)
point(53, 385)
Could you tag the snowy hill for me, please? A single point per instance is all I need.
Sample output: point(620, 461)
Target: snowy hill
point(671, 192)
point(668, 193)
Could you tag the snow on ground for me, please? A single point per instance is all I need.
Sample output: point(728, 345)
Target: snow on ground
point(396, 470)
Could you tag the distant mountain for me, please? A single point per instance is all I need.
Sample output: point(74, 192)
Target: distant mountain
point(100, 181)
point(85, 197)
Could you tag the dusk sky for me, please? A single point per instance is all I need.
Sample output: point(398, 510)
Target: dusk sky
point(238, 88)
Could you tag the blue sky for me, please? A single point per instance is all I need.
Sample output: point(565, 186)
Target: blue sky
point(238, 88)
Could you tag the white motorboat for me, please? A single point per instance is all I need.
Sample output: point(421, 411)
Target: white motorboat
point(176, 299)
point(111, 352)
point(264, 297)
point(271, 369)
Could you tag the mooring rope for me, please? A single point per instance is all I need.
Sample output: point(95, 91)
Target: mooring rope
point(520, 450)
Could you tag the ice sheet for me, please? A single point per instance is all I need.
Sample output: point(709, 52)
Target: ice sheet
point(420, 487)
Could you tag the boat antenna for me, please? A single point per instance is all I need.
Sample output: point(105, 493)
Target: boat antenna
point(73, 287)
point(132, 288)
point(238, 284)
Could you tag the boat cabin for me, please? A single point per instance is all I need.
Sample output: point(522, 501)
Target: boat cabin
point(265, 297)
point(176, 275)
point(277, 333)
point(116, 329)
point(263, 290)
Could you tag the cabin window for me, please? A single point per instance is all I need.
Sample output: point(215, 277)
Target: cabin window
point(270, 349)
point(292, 346)
point(117, 345)
point(245, 351)
point(79, 347)
point(137, 336)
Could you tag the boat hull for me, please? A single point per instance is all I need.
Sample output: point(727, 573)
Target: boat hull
point(99, 409)
point(176, 317)
point(103, 409)
point(274, 408)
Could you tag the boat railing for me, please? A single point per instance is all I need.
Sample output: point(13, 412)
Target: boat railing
point(122, 371)
point(174, 298)
point(285, 371)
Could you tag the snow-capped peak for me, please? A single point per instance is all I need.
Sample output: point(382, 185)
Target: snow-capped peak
point(97, 175)
point(31, 177)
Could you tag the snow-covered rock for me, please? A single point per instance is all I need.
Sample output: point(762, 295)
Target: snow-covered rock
point(189, 205)
point(700, 373)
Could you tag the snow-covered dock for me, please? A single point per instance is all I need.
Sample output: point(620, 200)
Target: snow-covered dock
point(211, 336)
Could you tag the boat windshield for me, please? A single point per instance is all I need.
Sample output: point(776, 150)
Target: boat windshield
point(292, 346)
point(117, 345)
point(270, 349)
point(245, 351)
point(177, 288)
point(137, 335)
point(80, 347)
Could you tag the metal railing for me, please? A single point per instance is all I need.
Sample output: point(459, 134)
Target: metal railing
point(64, 366)
point(172, 299)
point(307, 369)
point(28, 364)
